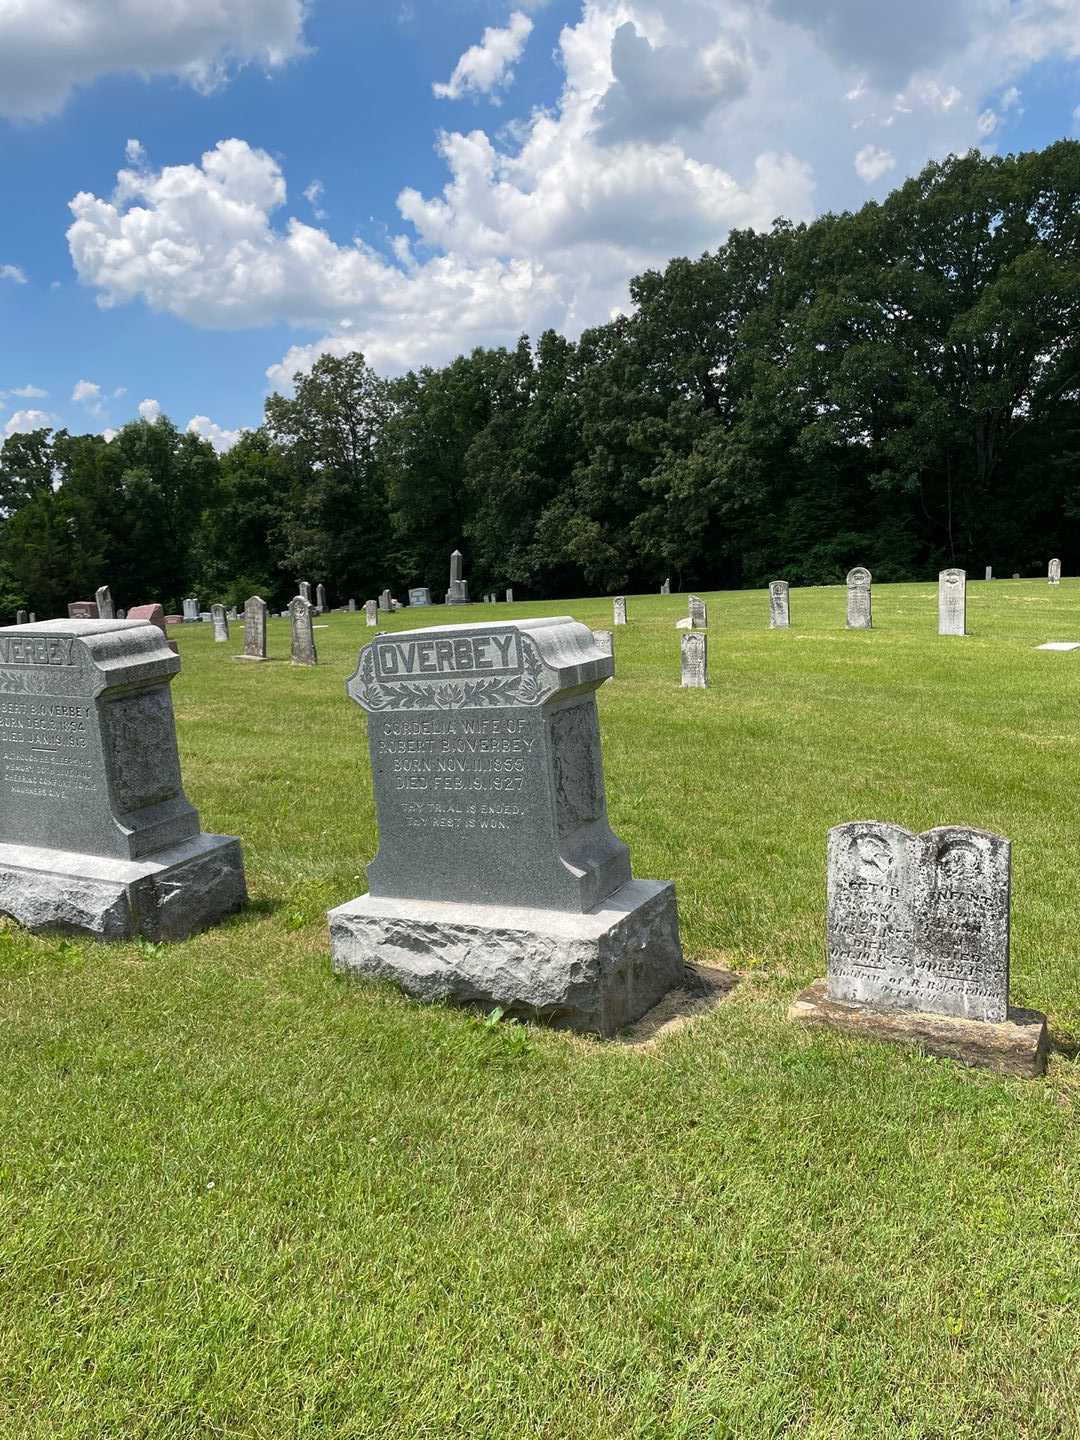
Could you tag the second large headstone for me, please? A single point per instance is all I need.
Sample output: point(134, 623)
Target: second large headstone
point(498, 880)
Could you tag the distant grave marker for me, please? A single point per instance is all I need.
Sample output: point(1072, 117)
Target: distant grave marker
point(779, 605)
point(619, 610)
point(859, 615)
point(220, 622)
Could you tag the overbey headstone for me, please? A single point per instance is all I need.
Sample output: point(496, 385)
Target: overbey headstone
point(779, 605)
point(498, 879)
point(96, 833)
point(952, 602)
point(858, 599)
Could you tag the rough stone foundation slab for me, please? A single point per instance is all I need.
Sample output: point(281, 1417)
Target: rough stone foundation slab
point(1015, 1046)
point(168, 896)
point(595, 972)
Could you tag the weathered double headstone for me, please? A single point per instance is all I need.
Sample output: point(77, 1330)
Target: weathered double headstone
point(858, 599)
point(918, 945)
point(254, 629)
point(371, 613)
point(698, 613)
point(952, 602)
point(779, 605)
point(420, 595)
point(105, 603)
point(303, 634)
point(618, 607)
point(96, 833)
point(221, 623)
point(320, 598)
point(694, 653)
point(1054, 572)
point(498, 880)
point(458, 593)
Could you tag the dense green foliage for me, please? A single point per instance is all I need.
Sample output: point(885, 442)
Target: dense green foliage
point(243, 1200)
point(896, 387)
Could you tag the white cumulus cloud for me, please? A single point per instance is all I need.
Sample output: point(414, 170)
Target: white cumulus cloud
point(49, 47)
point(488, 67)
point(149, 410)
point(87, 393)
point(872, 162)
point(23, 421)
point(207, 429)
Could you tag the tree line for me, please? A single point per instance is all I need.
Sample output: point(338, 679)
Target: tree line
point(895, 387)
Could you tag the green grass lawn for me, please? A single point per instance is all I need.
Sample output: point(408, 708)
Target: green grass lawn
point(242, 1198)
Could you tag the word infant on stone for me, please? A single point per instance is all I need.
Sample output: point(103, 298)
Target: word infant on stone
point(858, 599)
point(96, 833)
point(498, 879)
point(952, 602)
point(918, 926)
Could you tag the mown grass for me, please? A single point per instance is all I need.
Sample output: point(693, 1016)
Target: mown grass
point(241, 1198)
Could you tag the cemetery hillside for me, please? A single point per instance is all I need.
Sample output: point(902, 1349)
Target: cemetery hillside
point(895, 386)
point(245, 1196)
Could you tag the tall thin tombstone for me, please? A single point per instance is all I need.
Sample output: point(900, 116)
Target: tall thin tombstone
point(859, 581)
point(303, 587)
point(698, 613)
point(303, 634)
point(320, 598)
point(619, 610)
point(221, 624)
point(254, 629)
point(371, 613)
point(1054, 572)
point(779, 605)
point(105, 604)
point(694, 653)
point(952, 602)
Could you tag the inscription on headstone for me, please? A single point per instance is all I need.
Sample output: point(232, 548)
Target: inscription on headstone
point(779, 605)
point(858, 599)
point(498, 879)
point(105, 603)
point(303, 635)
point(1054, 572)
point(952, 602)
point(605, 643)
point(919, 922)
point(221, 623)
point(96, 833)
point(254, 629)
point(619, 610)
point(694, 650)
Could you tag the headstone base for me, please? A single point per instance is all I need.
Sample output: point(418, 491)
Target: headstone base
point(1015, 1046)
point(168, 896)
point(595, 973)
point(251, 657)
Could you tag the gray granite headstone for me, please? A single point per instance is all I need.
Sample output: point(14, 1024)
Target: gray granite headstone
point(509, 597)
point(96, 833)
point(254, 629)
point(303, 588)
point(779, 605)
point(303, 636)
point(21, 617)
point(665, 588)
point(989, 572)
point(385, 602)
point(952, 602)
point(618, 606)
point(83, 610)
point(919, 922)
point(352, 606)
point(858, 599)
point(420, 595)
point(191, 608)
point(371, 613)
point(698, 613)
point(220, 622)
point(498, 879)
point(458, 593)
point(105, 603)
point(1054, 572)
point(320, 598)
point(694, 651)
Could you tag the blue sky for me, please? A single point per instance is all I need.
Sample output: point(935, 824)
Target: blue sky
point(201, 198)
